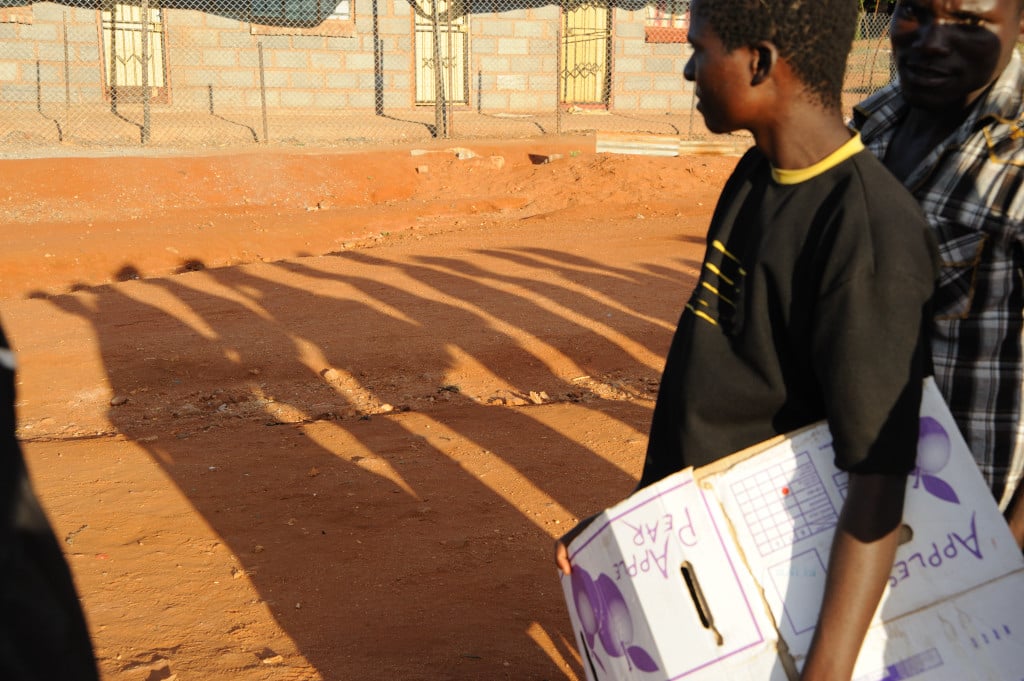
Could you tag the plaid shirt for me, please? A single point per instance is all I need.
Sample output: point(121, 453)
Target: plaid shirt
point(970, 188)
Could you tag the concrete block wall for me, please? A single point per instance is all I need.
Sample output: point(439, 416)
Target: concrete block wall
point(214, 61)
point(301, 71)
point(209, 59)
point(647, 77)
point(34, 40)
point(514, 59)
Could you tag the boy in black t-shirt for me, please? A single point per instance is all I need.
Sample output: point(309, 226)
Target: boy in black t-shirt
point(813, 298)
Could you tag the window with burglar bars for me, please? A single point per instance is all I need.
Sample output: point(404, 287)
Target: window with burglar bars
point(133, 53)
point(441, 52)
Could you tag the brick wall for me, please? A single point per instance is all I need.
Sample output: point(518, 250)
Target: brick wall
point(215, 60)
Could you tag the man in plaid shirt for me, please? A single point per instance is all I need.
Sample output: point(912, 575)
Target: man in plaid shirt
point(952, 129)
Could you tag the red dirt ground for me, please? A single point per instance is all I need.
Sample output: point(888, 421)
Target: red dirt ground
point(309, 415)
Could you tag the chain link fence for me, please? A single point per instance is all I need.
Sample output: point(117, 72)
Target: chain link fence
point(202, 74)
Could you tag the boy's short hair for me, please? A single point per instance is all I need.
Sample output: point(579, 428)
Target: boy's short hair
point(813, 36)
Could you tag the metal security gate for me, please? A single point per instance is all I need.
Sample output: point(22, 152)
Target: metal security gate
point(442, 52)
point(133, 53)
point(586, 46)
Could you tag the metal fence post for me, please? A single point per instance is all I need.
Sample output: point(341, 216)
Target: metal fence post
point(67, 76)
point(558, 74)
point(263, 91)
point(146, 98)
point(440, 129)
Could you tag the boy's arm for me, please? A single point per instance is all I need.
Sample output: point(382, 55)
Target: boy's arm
point(859, 566)
point(562, 545)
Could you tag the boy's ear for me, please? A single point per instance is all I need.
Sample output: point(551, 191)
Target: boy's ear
point(765, 56)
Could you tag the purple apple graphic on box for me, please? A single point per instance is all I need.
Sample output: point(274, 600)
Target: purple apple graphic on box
point(933, 452)
point(605, 617)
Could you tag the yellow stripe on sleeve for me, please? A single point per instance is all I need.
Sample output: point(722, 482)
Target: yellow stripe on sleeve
point(720, 247)
point(717, 293)
point(721, 275)
point(700, 313)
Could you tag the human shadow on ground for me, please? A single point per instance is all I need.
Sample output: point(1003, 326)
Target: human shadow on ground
point(364, 487)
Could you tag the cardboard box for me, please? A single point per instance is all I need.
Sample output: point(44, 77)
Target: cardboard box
point(718, 573)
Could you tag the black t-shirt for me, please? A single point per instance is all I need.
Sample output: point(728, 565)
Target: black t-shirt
point(812, 304)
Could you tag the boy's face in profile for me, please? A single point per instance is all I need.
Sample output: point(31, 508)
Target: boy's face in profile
point(720, 78)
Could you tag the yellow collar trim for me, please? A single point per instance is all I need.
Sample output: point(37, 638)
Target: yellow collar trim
point(851, 147)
